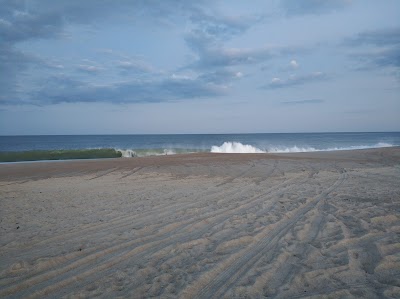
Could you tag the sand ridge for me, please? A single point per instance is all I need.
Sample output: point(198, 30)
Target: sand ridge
point(203, 226)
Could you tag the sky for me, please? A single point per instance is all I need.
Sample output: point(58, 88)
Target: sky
point(155, 67)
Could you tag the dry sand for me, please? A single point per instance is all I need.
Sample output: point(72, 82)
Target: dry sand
point(203, 226)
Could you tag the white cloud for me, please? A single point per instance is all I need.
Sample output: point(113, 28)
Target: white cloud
point(181, 77)
point(275, 80)
point(239, 74)
point(294, 64)
point(135, 65)
point(294, 80)
point(89, 68)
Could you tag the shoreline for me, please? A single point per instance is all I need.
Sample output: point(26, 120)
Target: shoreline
point(198, 153)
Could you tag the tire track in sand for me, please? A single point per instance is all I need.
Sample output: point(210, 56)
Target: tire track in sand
point(219, 281)
point(210, 221)
point(135, 170)
point(231, 179)
point(143, 220)
point(161, 210)
point(106, 259)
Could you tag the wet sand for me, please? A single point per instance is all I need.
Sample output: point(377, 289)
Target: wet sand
point(312, 225)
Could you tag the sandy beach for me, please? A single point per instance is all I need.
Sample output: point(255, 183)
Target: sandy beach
point(306, 225)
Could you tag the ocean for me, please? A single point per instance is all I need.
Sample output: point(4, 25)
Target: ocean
point(51, 147)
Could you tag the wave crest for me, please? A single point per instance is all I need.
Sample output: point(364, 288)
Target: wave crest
point(129, 153)
point(239, 148)
point(235, 147)
point(296, 149)
point(66, 154)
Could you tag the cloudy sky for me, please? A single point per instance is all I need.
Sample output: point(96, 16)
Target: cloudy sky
point(143, 66)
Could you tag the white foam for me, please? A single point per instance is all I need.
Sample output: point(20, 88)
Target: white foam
point(169, 152)
point(293, 149)
point(296, 149)
point(235, 147)
point(127, 153)
point(240, 148)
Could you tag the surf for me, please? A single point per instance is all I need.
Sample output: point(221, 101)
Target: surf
point(239, 148)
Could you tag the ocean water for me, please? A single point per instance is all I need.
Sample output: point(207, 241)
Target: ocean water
point(145, 145)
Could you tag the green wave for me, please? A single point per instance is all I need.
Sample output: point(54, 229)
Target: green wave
point(59, 155)
point(158, 152)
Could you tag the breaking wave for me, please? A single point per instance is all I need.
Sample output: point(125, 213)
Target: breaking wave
point(226, 147)
point(129, 153)
point(296, 149)
point(235, 147)
point(239, 148)
point(59, 155)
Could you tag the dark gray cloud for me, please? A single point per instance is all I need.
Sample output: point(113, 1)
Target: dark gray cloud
point(296, 80)
point(383, 48)
point(300, 7)
point(12, 63)
point(23, 26)
point(382, 37)
point(22, 20)
point(66, 90)
point(89, 11)
point(379, 58)
point(45, 19)
point(18, 22)
point(303, 102)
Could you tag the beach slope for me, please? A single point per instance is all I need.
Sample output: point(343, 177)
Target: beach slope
point(203, 226)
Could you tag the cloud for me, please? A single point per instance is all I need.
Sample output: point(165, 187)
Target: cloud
point(382, 37)
point(221, 76)
point(378, 58)
point(62, 89)
point(128, 63)
point(218, 57)
point(380, 48)
point(302, 102)
point(23, 20)
point(13, 63)
point(46, 19)
point(295, 80)
point(294, 64)
point(90, 11)
point(210, 54)
point(303, 7)
point(84, 12)
point(135, 66)
point(19, 26)
point(90, 69)
point(223, 26)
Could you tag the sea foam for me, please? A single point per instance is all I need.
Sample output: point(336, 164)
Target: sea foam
point(296, 149)
point(239, 148)
point(235, 147)
point(129, 153)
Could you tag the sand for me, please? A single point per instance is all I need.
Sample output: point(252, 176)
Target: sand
point(312, 225)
